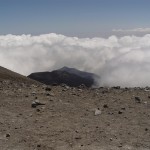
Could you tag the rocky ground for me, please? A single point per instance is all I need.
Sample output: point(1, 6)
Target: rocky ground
point(37, 117)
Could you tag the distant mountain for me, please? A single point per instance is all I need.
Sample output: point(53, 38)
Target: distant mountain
point(69, 76)
point(78, 72)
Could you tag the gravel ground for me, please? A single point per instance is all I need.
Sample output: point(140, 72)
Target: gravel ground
point(39, 117)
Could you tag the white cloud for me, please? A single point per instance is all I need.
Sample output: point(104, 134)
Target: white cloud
point(145, 30)
point(121, 61)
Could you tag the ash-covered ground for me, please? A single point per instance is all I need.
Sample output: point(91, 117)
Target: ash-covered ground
point(40, 117)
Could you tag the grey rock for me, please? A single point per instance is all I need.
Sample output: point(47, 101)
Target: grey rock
point(97, 112)
point(36, 103)
point(137, 100)
point(48, 89)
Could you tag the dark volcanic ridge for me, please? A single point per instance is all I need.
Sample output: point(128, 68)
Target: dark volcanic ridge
point(69, 76)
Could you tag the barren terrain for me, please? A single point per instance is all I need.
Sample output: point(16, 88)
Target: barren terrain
point(73, 118)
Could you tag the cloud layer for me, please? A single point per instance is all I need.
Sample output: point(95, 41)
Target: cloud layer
point(121, 61)
point(144, 30)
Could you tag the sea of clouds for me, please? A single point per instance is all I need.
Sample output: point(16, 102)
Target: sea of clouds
point(123, 61)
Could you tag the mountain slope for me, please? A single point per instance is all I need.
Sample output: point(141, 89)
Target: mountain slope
point(6, 74)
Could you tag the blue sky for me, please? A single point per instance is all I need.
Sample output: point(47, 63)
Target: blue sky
point(82, 18)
